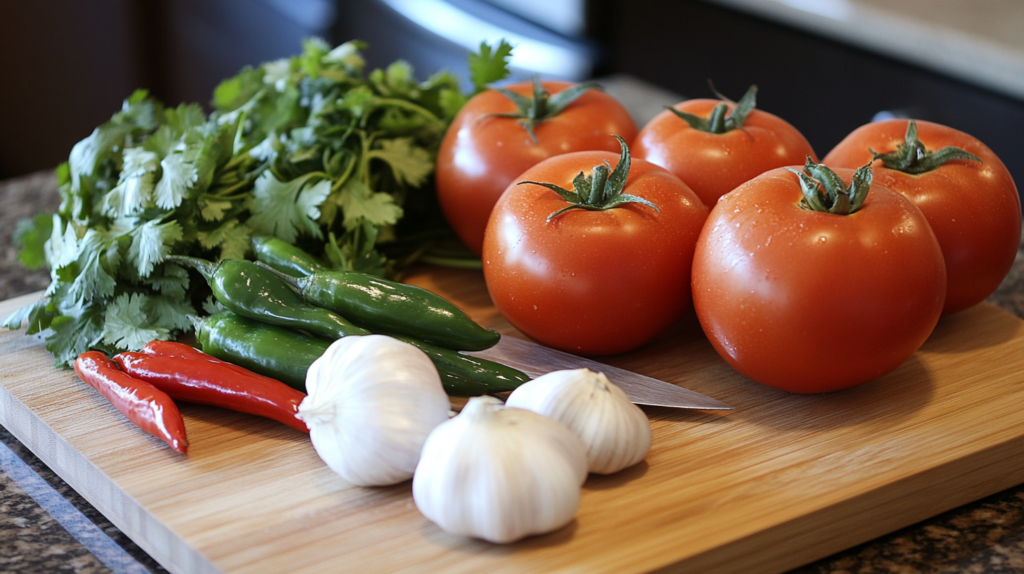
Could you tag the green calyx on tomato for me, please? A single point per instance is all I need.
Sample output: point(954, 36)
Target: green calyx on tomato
point(912, 157)
point(721, 120)
point(599, 191)
point(825, 191)
point(541, 106)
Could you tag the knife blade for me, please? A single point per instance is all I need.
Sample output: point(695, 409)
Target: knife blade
point(640, 389)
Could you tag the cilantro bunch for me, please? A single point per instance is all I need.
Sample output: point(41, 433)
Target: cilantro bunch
point(308, 149)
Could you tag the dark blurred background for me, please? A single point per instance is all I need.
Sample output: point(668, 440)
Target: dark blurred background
point(66, 66)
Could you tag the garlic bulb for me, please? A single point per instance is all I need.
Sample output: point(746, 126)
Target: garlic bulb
point(372, 402)
point(616, 432)
point(499, 474)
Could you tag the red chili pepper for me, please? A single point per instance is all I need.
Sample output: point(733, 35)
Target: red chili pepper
point(151, 409)
point(181, 350)
point(214, 382)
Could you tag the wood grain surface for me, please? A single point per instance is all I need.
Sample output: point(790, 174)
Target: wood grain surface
point(779, 482)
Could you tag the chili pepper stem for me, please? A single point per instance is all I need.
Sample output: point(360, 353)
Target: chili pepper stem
point(296, 283)
point(205, 268)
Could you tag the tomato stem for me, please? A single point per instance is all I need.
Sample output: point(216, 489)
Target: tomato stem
point(824, 191)
point(721, 120)
point(530, 111)
point(599, 191)
point(912, 157)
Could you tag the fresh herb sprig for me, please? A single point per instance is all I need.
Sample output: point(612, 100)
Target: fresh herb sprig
point(309, 149)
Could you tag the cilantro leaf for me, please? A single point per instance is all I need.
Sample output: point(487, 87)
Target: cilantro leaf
point(357, 251)
point(347, 54)
point(451, 101)
point(92, 282)
point(184, 118)
point(74, 332)
point(489, 65)
point(178, 176)
point(357, 100)
point(169, 313)
point(35, 315)
point(232, 93)
point(151, 242)
point(212, 306)
point(126, 320)
point(62, 248)
point(213, 210)
point(313, 51)
point(172, 281)
point(360, 203)
point(230, 237)
point(284, 209)
point(30, 236)
point(134, 192)
point(411, 164)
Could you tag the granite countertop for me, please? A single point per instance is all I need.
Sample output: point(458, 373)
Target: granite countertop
point(45, 526)
point(976, 41)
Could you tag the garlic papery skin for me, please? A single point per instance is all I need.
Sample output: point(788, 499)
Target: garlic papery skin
point(499, 474)
point(616, 432)
point(372, 401)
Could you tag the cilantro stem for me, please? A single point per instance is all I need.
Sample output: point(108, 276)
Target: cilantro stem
point(228, 178)
point(364, 157)
point(226, 193)
point(320, 174)
point(430, 234)
point(417, 254)
point(344, 176)
point(411, 107)
point(453, 262)
point(236, 161)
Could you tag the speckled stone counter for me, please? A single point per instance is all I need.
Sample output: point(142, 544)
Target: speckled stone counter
point(45, 526)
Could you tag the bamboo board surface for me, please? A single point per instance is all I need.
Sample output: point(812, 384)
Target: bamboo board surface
point(780, 481)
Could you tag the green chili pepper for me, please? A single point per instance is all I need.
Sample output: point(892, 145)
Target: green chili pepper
point(495, 377)
point(459, 386)
point(285, 257)
point(270, 350)
point(259, 293)
point(286, 355)
point(394, 308)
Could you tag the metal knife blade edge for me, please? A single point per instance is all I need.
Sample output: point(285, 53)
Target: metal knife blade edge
point(641, 389)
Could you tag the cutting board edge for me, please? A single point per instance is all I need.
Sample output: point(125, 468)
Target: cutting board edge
point(171, 551)
point(774, 557)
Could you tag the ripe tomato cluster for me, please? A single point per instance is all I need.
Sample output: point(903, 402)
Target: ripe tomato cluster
point(721, 207)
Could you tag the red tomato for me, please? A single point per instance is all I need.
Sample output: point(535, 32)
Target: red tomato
point(812, 302)
point(973, 207)
point(481, 154)
point(592, 282)
point(714, 164)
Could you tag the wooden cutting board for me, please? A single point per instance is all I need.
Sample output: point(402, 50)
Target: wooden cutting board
point(779, 482)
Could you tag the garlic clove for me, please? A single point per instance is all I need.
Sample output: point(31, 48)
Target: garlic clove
point(372, 402)
point(617, 434)
point(499, 474)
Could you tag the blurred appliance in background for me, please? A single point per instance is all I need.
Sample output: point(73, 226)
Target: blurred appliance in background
point(206, 41)
point(552, 39)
